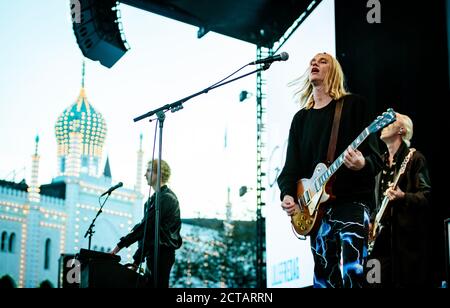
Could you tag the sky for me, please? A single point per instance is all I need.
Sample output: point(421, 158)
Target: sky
point(40, 76)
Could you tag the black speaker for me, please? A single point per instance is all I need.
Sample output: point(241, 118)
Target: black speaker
point(109, 274)
point(447, 250)
point(98, 30)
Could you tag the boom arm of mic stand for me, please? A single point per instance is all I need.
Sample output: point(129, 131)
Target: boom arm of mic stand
point(178, 104)
point(265, 67)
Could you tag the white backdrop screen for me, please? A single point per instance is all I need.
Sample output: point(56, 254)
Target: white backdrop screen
point(289, 260)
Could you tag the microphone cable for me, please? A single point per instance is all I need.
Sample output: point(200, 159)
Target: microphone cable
point(146, 210)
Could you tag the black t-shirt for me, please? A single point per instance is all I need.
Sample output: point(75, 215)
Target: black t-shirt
point(308, 142)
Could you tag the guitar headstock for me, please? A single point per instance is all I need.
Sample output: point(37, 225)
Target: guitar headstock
point(382, 121)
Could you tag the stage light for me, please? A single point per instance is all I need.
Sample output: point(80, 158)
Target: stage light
point(244, 95)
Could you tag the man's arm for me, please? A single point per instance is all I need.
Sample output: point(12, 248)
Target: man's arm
point(420, 192)
point(167, 205)
point(289, 175)
point(137, 232)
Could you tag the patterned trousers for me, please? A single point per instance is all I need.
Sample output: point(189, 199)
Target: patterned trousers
point(343, 233)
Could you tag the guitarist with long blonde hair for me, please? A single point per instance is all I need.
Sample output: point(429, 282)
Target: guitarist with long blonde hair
point(402, 236)
point(343, 227)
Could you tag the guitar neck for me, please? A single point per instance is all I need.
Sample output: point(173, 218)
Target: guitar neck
point(385, 201)
point(340, 160)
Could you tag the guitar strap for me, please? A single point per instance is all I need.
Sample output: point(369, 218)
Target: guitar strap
point(334, 131)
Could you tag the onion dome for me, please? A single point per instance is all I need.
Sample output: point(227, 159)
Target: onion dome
point(81, 118)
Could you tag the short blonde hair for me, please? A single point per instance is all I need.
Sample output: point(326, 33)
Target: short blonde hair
point(407, 124)
point(165, 170)
point(334, 83)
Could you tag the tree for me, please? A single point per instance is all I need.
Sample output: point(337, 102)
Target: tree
point(6, 282)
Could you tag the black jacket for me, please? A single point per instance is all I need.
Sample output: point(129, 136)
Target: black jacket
point(309, 137)
point(169, 226)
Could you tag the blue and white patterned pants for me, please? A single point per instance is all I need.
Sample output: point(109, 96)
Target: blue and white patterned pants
point(343, 232)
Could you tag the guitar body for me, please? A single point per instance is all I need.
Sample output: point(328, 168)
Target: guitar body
point(377, 226)
point(373, 239)
point(307, 217)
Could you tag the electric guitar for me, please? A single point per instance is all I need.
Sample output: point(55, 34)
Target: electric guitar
point(315, 191)
point(377, 225)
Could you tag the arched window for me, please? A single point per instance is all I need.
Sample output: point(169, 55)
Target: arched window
point(63, 164)
point(47, 254)
point(102, 249)
point(12, 243)
point(4, 239)
point(95, 248)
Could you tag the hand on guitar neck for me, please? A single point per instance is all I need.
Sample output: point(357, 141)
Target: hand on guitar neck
point(354, 159)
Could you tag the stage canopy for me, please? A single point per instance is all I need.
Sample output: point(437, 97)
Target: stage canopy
point(261, 22)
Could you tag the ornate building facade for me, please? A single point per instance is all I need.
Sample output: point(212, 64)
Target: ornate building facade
point(38, 222)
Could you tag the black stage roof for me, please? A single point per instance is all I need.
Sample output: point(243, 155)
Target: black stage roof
point(261, 22)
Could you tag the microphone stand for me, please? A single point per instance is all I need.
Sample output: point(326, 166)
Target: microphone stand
point(160, 113)
point(90, 231)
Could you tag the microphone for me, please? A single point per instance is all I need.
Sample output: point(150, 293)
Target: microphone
point(109, 191)
point(281, 57)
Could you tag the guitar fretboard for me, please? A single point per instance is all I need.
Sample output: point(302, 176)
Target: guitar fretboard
point(320, 181)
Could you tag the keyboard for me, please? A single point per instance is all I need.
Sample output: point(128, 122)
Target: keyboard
point(86, 254)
